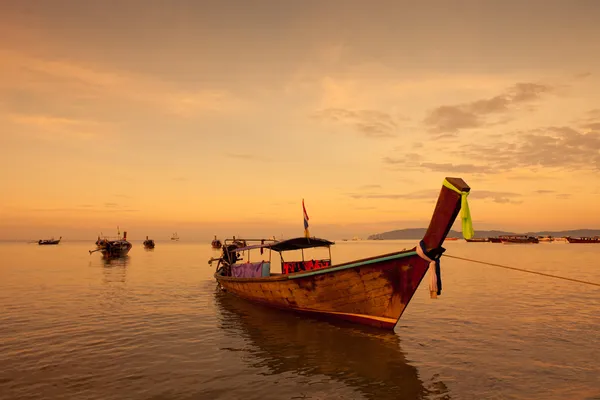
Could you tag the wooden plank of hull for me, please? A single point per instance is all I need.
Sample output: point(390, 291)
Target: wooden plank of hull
point(372, 292)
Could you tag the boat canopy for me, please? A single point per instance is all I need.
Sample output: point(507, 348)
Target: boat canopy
point(298, 243)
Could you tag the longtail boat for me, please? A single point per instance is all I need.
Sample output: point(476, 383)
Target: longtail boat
point(372, 291)
point(216, 243)
point(477, 240)
point(117, 247)
point(519, 239)
point(149, 243)
point(45, 242)
point(584, 239)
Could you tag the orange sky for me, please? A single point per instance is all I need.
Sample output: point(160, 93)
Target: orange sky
point(218, 117)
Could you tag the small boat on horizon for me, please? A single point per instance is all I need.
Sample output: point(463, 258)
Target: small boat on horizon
point(478, 240)
point(583, 239)
point(545, 239)
point(175, 237)
point(519, 239)
point(148, 243)
point(43, 242)
point(373, 291)
point(216, 243)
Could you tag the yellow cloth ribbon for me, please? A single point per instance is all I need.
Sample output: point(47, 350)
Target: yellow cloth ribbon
point(467, 223)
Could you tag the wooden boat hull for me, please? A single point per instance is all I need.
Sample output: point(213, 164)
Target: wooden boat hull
point(583, 240)
point(495, 240)
point(372, 291)
point(48, 242)
point(519, 241)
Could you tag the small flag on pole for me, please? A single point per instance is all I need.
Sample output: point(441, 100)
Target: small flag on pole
point(306, 234)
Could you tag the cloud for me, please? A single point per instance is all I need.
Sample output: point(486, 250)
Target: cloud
point(56, 127)
point(419, 195)
point(370, 187)
point(370, 123)
point(411, 162)
point(71, 81)
point(453, 118)
point(496, 197)
point(550, 147)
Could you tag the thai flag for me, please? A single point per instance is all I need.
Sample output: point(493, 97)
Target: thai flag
point(306, 234)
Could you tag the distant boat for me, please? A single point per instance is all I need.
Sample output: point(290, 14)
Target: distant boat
point(519, 239)
point(118, 247)
point(494, 240)
point(584, 239)
point(175, 236)
point(451, 238)
point(546, 239)
point(148, 243)
point(477, 240)
point(216, 243)
point(49, 241)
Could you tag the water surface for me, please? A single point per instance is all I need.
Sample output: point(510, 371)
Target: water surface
point(154, 326)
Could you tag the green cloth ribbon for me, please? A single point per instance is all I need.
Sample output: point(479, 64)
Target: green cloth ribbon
point(467, 223)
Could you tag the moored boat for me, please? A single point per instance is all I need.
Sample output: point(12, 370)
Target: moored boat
point(372, 291)
point(477, 240)
point(494, 240)
point(43, 242)
point(584, 239)
point(148, 243)
point(118, 247)
point(545, 239)
point(519, 239)
point(216, 243)
point(452, 238)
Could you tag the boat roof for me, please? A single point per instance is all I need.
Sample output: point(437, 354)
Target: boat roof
point(300, 243)
point(289, 244)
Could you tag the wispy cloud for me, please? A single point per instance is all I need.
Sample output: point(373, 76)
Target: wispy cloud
point(544, 191)
point(450, 119)
point(497, 197)
point(551, 147)
point(370, 123)
point(369, 187)
point(419, 195)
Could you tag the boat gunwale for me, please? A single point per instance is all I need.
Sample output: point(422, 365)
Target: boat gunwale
point(330, 269)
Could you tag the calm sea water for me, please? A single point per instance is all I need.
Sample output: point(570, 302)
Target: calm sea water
point(154, 326)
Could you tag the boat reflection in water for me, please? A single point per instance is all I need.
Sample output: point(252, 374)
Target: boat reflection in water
point(367, 360)
point(115, 261)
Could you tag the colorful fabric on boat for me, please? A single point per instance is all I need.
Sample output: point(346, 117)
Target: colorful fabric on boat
point(289, 267)
point(467, 223)
point(306, 234)
point(435, 273)
point(250, 270)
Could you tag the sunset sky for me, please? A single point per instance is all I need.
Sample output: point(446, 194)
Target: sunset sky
point(218, 117)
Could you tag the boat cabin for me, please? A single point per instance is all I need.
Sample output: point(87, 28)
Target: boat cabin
point(238, 258)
